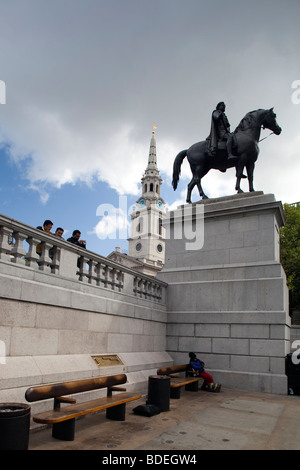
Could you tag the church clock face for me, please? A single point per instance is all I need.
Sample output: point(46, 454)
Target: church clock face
point(142, 202)
point(138, 246)
point(159, 204)
point(159, 248)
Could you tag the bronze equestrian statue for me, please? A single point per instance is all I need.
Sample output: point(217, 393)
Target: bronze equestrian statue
point(219, 131)
point(215, 151)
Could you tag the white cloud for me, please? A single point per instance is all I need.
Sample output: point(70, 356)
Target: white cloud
point(44, 195)
point(84, 85)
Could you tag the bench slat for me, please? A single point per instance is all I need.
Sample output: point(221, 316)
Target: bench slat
point(179, 382)
point(43, 392)
point(80, 409)
point(172, 369)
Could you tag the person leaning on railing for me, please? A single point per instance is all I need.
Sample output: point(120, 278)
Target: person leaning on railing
point(76, 239)
point(47, 226)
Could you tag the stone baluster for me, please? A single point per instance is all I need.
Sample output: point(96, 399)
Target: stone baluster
point(97, 273)
point(5, 244)
point(92, 273)
point(138, 286)
point(135, 285)
point(18, 252)
point(150, 290)
point(107, 275)
point(141, 287)
point(105, 279)
point(119, 280)
point(83, 272)
point(112, 274)
point(55, 257)
point(32, 256)
point(158, 293)
point(45, 261)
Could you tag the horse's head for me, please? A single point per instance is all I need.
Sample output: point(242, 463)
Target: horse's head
point(269, 122)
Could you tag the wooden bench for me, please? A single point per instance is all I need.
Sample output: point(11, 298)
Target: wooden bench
point(63, 418)
point(177, 381)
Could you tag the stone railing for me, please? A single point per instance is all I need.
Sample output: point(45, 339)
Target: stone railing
point(57, 257)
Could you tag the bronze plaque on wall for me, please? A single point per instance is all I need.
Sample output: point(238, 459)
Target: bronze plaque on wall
point(107, 360)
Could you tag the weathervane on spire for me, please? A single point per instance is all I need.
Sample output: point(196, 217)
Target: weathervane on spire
point(153, 131)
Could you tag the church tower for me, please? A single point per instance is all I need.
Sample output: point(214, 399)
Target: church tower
point(147, 241)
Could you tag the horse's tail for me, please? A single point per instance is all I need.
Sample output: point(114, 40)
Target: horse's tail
point(176, 167)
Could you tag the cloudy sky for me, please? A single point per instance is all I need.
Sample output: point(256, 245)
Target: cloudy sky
point(83, 81)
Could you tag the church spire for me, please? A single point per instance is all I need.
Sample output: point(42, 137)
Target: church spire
point(152, 161)
point(151, 181)
point(147, 242)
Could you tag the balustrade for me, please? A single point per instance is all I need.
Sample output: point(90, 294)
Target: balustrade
point(34, 249)
point(147, 289)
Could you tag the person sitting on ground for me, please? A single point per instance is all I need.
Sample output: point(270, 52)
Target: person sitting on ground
point(196, 368)
point(76, 239)
point(59, 232)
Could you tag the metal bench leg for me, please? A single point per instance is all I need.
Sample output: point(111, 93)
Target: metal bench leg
point(193, 387)
point(116, 413)
point(175, 392)
point(65, 430)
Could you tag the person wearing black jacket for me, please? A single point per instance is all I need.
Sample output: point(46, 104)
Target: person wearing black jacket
point(76, 239)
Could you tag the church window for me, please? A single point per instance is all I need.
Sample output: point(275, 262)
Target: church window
point(139, 227)
point(159, 226)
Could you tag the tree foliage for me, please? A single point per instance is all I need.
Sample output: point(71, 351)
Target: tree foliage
point(290, 252)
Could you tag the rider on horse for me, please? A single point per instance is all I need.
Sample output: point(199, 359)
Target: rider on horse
point(246, 137)
point(219, 131)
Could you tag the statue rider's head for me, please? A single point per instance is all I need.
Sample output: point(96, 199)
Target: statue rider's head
point(221, 106)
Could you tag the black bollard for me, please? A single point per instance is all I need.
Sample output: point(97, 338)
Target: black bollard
point(159, 391)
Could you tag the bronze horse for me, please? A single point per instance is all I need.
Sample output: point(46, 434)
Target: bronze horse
point(246, 139)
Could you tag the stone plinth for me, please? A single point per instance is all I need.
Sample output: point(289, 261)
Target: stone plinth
point(227, 294)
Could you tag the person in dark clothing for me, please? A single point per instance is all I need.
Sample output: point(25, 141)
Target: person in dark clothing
point(76, 239)
point(196, 367)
